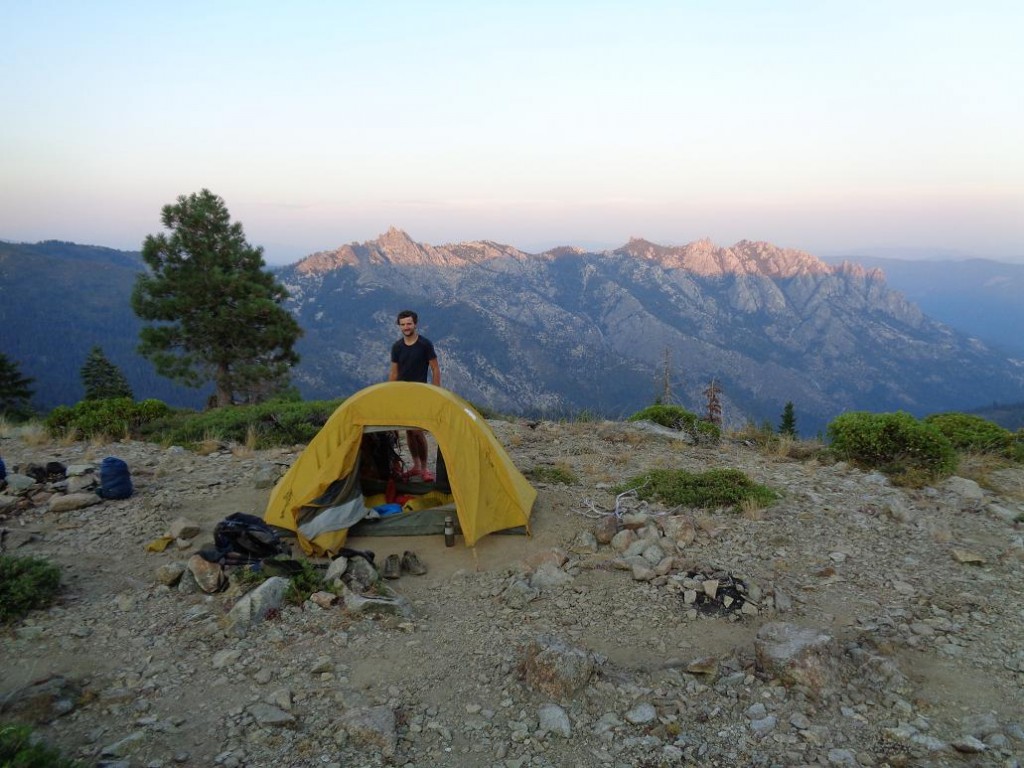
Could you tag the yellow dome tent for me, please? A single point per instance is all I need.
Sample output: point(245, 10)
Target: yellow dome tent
point(490, 493)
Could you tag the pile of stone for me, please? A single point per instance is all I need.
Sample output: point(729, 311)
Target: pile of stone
point(52, 486)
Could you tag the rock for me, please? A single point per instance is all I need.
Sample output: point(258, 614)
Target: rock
point(622, 540)
point(44, 700)
point(18, 483)
point(73, 501)
point(679, 530)
point(642, 714)
point(336, 569)
point(606, 529)
point(555, 668)
point(81, 483)
point(392, 606)
point(183, 528)
point(254, 606)
point(119, 748)
point(373, 727)
point(796, 655)
point(269, 715)
point(553, 719)
point(209, 576)
point(360, 575)
point(549, 577)
point(969, 745)
point(323, 599)
point(8, 502)
point(170, 574)
point(967, 491)
point(584, 543)
point(519, 593)
point(967, 557)
point(226, 658)
point(267, 476)
point(643, 572)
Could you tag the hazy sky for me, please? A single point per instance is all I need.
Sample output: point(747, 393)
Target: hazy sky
point(824, 126)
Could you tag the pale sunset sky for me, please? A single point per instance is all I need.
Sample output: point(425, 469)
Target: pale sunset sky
point(825, 126)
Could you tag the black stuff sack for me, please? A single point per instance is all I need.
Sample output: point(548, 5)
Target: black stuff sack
point(115, 479)
point(242, 538)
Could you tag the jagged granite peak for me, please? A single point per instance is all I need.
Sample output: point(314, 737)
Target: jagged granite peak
point(702, 257)
point(395, 247)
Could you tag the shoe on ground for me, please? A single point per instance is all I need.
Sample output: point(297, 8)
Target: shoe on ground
point(412, 564)
point(392, 567)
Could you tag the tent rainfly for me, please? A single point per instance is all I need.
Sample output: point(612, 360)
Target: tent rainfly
point(490, 493)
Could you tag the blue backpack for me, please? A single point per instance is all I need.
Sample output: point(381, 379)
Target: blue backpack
point(115, 479)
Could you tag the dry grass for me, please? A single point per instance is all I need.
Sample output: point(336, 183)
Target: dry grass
point(209, 444)
point(69, 437)
point(34, 434)
point(750, 509)
point(247, 449)
point(980, 466)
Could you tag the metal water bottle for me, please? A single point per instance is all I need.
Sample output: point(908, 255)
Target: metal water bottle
point(449, 531)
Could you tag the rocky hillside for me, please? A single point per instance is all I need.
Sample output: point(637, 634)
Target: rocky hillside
point(568, 330)
point(850, 624)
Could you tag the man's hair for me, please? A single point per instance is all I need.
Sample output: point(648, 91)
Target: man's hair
point(407, 313)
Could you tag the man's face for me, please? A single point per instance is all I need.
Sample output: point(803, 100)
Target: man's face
point(407, 325)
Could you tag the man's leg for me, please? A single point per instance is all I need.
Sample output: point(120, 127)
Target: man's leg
point(418, 450)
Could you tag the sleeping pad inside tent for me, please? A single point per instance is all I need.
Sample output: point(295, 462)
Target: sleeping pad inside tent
point(343, 474)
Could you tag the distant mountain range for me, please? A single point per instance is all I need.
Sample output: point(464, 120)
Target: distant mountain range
point(554, 333)
point(58, 300)
point(978, 296)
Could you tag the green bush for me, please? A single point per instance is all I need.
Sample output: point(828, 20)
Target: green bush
point(972, 433)
point(705, 490)
point(117, 416)
point(676, 417)
point(26, 583)
point(897, 444)
point(556, 475)
point(18, 749)
point(301, 583)
point(274, 423)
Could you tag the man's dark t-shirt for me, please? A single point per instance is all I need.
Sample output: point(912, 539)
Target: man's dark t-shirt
point(413, 359)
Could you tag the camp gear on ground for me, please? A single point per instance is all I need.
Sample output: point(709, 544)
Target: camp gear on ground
point(449, 532)
point(241, 538)
point(115, 479)
point(412, 564)
point(392, 567)
point(490, 494)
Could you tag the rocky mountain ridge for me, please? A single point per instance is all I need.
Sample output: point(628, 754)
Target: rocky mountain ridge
point(571, 330)
point(557, 333)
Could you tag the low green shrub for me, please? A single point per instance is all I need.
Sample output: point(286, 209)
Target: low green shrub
point(702, 431)
point(972, 433)
point(907, 450)
point(705, 490)
point(19, 749)
point(26, 583)
point(556, 475)
point(301, 584)
point(274, 423)
point(117, 416)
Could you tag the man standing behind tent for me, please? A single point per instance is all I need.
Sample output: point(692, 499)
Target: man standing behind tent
point(412, 359)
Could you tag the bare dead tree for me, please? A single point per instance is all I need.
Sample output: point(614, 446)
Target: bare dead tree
point(713, 394)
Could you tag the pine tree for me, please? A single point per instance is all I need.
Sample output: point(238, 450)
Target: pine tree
point(787, 425)
point(15, 392)
point(218, 310)
point(102, 379)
